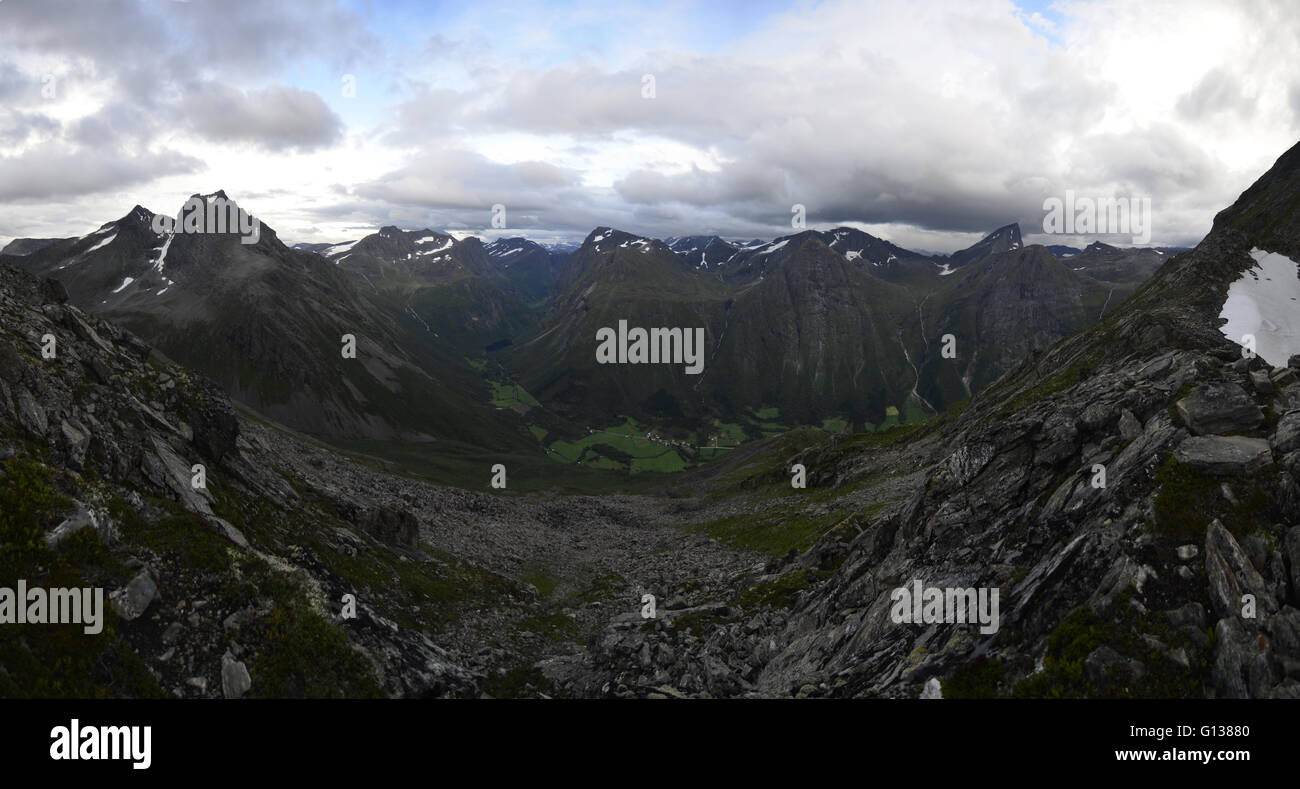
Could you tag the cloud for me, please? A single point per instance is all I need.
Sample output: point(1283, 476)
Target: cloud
point(16, 126)
point(274, 118)
point(52, 171)
point(935, 119)
point(469, 181)
point(1218, 91)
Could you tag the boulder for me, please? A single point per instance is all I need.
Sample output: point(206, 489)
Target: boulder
point(1262, 383)
point(932, 689)
point(1129, 426)
point(77, 439)
point(1227, 455)
point(1219, 407)
point(81, 518)
point(30, 413)
point(1231, 575)
point(132, 600)
point(235, 680)
point(1285, 377)
point(1240, 668)
point(1286, 437)
point(394, 526)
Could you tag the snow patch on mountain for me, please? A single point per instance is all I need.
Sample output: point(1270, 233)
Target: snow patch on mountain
point(103, 243)
point(162, 256)
point(339, 249)
point(1265, 303)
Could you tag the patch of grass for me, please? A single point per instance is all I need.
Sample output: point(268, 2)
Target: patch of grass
point(1070, 643)
point(180, 534)
point(782, 592)
point(301, 655)
point(49, 660)
point(1057, 382)
point(835, 425)
point(554, 627)
point(601, 588)
point(727, 434)
point(1188, 500)
point(773, 533)
point(699, 623)
point(981, 678)
point(28, 506)
point(517, 682)
point(543, 581)
point(668, 462)
point(512, 396)
point(913, 415)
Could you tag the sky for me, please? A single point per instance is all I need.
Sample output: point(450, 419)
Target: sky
point(926, 122)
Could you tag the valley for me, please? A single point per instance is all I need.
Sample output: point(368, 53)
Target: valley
point(369, 477)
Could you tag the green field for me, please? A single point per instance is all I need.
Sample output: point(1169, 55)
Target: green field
point(724, 435)
point(620, 447)
point(512, 396)
point(835, 425)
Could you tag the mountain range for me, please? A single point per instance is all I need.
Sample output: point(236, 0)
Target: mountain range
point(819, 325)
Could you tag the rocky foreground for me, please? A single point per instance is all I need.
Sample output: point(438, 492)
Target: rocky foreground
point(238, 586)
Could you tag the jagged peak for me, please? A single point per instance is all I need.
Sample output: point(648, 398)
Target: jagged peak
point(137, 214)
point(220, 194)
point(1011, 231)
